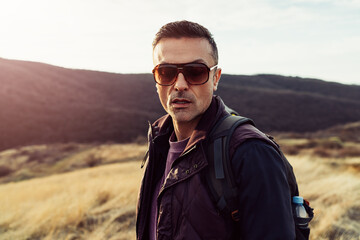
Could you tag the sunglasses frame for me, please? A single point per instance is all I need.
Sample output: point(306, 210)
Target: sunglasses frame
point(180, 69)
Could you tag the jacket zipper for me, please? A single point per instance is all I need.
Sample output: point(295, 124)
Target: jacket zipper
point(182, 155)
point(187, 151)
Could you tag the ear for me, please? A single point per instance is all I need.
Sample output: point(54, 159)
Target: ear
point(216, 78)
point(157, 87)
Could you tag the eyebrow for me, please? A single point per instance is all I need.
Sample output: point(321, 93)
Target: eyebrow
point(195, 61)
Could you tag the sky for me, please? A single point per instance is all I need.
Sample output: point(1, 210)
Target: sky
point(306, 38)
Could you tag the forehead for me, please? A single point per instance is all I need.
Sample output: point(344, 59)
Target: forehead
point(183, 50)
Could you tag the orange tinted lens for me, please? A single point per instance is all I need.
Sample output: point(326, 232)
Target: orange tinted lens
point(196, 73)
point(166, 74)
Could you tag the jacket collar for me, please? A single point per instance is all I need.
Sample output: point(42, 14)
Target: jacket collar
point(164, 126)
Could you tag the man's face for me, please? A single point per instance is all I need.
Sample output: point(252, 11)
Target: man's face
point(184, 102)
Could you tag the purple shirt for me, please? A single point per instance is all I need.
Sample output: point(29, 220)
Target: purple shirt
point(175, 150)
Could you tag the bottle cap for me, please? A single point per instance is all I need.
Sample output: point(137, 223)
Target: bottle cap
point(298, 200)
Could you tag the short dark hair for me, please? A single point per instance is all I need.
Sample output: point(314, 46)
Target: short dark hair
point(188, 29)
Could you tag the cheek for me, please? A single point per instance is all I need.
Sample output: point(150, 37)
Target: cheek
point(163, 96)
point(206, 95)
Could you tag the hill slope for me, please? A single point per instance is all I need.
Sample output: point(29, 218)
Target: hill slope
point(279, 103)
point(100, 202)
point(41, 103)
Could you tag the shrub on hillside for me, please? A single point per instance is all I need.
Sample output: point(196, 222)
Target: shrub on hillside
point(331, 143)
point(344, 152)
point(309, 144)
point(327, 143)
point(322, 152)
point(349, 152)
point(290, 149)
point(4, 171)
point(69, 147)
point(92, 160)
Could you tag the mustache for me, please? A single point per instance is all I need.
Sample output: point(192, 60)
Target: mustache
point(182, 95)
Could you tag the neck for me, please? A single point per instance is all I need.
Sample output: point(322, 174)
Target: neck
point(184, 130)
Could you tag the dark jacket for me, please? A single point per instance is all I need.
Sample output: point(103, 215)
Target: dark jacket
point(186, 210)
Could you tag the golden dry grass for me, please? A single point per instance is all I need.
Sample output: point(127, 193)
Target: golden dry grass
point(99, 202)
point(333, 189)
point(83, 204)
point(44, 160)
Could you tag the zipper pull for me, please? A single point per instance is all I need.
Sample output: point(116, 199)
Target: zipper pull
point(190, 149)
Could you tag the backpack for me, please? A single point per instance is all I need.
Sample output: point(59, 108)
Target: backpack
point(220, 179)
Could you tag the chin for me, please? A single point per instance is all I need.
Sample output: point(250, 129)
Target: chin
point(184, 118)
point(181, 119)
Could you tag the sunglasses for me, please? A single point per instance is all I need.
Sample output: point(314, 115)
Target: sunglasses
point(194, 73)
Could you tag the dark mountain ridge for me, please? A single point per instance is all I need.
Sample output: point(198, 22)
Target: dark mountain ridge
point(41, 103)
point(296, 84)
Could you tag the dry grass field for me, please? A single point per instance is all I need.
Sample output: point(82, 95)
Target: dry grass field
point(90, 191)
point(334, 191)
point(88, 203)
point(96, 203)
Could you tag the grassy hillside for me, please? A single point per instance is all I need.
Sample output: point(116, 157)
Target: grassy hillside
point(70, 200)
point(333, 188)
point(96, 203)
point(45, 160)
point(70, 191)
point(43, 104)
point(279, 103)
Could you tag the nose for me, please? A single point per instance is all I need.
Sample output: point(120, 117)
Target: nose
point(181, 84)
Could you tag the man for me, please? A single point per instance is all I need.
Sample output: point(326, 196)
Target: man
point(174, 201)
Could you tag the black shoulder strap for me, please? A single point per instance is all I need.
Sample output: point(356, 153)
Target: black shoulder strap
point(220, 177)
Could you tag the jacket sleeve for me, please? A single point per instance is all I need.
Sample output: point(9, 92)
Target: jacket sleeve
point(264, 194)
